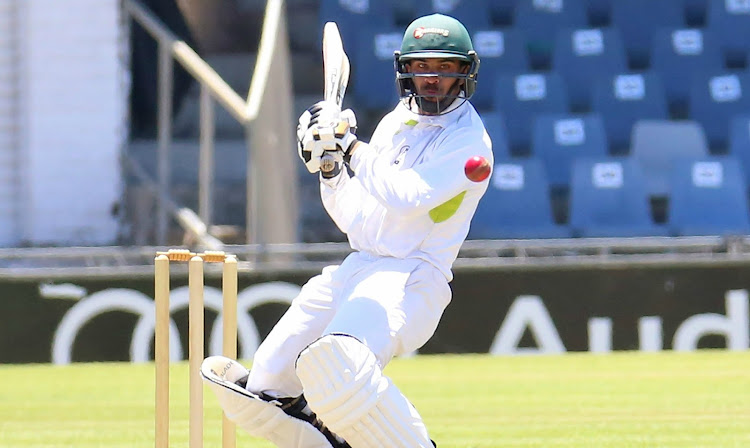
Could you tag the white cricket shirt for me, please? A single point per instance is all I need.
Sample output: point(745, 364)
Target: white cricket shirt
point(409, 197)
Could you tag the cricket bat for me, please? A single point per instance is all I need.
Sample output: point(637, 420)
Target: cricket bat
point(336, 75)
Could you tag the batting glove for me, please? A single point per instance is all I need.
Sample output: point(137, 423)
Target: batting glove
point(336, 141)
point(325, 116)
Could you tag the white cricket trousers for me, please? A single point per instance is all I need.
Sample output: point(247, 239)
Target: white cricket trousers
point(391, 305)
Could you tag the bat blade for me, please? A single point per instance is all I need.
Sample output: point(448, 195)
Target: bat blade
point(335, 64)
point(336, 74)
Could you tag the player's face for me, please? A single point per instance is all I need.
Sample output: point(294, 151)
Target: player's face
point(435, 88)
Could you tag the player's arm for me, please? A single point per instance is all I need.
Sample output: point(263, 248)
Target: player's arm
point(416, 190)
point(427, 185)
point(316, 141)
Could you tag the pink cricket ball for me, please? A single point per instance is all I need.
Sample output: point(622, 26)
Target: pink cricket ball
point(477, 168)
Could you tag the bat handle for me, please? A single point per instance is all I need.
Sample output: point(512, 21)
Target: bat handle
point(327, 162)
point(333, 115)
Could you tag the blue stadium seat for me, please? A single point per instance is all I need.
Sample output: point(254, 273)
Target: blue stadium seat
point(695, 12)
point(679, 53)
point(494, 123)
point(474, 14)
point(559, 139)
point(583, 55)
point(658, 144)
point(517, 204)
point(598, 12)
point(520, 98)
point(351, 15)
point(709, 197)
point(715, 99)
point(739, 142)
point(403, 11)
point(502, 12)
point(637, 21)
point(730, 20)
point(608, 199)
point(500, 51)
point(541, 20)
point(373, 75)
point(624, 99)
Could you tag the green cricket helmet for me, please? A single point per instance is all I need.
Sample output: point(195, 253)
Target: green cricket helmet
point(436, 36)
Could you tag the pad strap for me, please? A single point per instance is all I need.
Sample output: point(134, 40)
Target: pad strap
point(259, 415)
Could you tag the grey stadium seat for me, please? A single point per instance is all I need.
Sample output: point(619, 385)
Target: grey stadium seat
point(658, 144)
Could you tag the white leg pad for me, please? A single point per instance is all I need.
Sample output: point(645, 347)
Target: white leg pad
point(346, 388)
point(255, 415)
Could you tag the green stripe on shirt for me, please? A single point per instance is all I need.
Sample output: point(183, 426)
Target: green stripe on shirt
point(447, 209)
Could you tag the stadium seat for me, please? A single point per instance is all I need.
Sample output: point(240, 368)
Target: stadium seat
point(474, 14)
point(598, 12)
point(351, 15)
point(520, 98)
point(678, 54)
point(659, 144)
point(502, 11)
point(403, 11)
point(715, 99)
point(500, 51)
point(709, 197)
point(494, 123)
point(739, 142)
point(559, 139)
point(637, 21)
point(583, 55)
point(516, 204)
point(695, 12)
point(608, 199)
point(624, 99)
point(730, 21)
point(540, 20)
point(374, 78)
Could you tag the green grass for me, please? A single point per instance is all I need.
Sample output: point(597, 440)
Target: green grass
point(699, 399)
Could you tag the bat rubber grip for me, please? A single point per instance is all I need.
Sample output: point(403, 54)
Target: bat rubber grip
point(327, 163)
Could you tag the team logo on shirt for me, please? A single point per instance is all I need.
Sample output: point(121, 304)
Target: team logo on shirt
point(419, 32)
point(401, 154)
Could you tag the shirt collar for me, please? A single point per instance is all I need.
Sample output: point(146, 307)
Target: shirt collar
point(409, 118)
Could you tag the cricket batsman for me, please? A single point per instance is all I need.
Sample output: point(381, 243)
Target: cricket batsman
point(405, 201)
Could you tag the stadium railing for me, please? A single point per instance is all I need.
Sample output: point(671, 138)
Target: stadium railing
point(62, 262)
point(271, 216)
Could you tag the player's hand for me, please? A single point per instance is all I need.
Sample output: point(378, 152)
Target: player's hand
point(336, 141)
point(322, 111)
point(307, 151)
point(318, 130)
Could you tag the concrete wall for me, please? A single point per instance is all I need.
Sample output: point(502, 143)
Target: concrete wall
point(71, 118)
point(10, 193)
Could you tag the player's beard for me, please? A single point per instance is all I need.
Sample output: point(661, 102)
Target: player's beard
point(434, 103)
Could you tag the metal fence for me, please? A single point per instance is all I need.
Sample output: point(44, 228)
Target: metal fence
point(271, 217)
point(595, 253)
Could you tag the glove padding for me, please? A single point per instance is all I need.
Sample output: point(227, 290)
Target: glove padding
point(322, 111)
point(336, 141)
point(324, 127)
